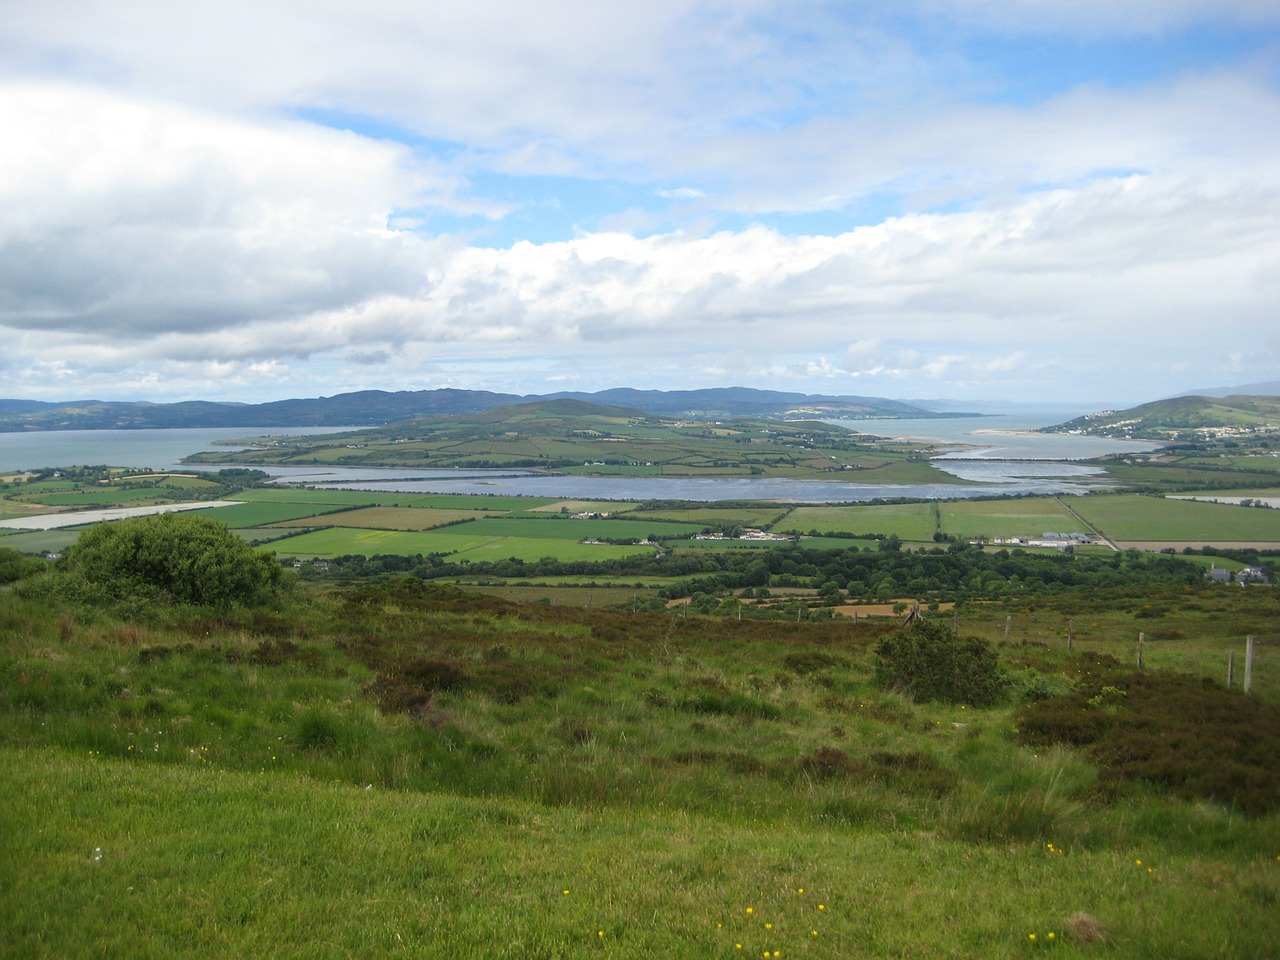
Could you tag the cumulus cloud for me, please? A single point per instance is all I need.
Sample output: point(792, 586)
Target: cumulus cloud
point(928, 297)
point(119, 218)
point(182, 206)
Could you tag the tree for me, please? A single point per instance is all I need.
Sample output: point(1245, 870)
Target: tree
point(174, 556)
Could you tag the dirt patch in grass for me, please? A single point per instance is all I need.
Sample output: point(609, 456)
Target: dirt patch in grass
point(878, 609)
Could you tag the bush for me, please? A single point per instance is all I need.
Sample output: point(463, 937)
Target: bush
point(15, 566)
point(172, 556)
point(926, 661)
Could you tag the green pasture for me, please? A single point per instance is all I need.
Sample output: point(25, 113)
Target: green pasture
point(970, 519)
point(1269, 464)
point(1176, 476)
point(40, 541)
point(104, 497)
point(908, 521)
point(708, 516)
point(255, 514)
point(1140, 518)
point(567, 528)
point(390, 518)
point(473, 545)
point(188, 483)
point(39, 486)
point(579, 506)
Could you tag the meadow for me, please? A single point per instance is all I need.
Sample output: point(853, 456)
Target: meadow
point(413, 770)
point(988, 520)
point(907, 521)
point(469, 546)
point(1155, 519)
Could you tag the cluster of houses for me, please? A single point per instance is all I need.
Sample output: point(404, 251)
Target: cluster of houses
point(1058, 541)
point(748, 533)
point(1243, 576)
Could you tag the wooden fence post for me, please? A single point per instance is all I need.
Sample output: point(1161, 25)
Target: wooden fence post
point(1248, 663)
point(1142, 642)
point(1071, 629)
point(1008, 622)
point(1231, 667)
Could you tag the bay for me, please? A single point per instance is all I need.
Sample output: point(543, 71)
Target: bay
point(1010, 462)
point(148, 449)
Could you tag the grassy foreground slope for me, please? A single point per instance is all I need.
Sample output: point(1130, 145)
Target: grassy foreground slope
point(184, 861)
point(401, 770)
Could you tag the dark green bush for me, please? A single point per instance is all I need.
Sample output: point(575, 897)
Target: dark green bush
point(171, 557)
point(15, 566)
point(926, 661)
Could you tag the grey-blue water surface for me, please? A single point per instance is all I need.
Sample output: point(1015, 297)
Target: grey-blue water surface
point(153, 449)
point(1008, 463)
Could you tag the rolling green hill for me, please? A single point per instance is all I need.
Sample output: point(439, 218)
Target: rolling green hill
point(573, 436)
point(1183, 419)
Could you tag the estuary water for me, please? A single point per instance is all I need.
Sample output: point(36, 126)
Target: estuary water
point(1009, 461)
point(153, 449)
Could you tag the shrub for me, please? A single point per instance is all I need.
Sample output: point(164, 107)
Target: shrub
point(15, 566)
point(172, 556)
point(926, 661)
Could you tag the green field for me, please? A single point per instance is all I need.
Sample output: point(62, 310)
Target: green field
point(254, 514)
point(571, 529)
point(1031, 517)
point(474, 546)
point(103, 497)
point(707, 516)
point(40, 541)
point(390, 518)
point(583, 506)
point(907, 521)
point(1155, 519)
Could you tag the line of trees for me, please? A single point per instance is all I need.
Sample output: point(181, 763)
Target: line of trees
point(957, 572)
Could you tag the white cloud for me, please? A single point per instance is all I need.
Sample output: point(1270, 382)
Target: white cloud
point(127, 219)
point(1132, 263)
point(171, 207)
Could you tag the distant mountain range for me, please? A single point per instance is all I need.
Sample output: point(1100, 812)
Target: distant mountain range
point(379, 407)
point(1270, 388)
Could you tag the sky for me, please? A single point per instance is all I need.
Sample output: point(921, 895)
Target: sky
point(928, 199)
